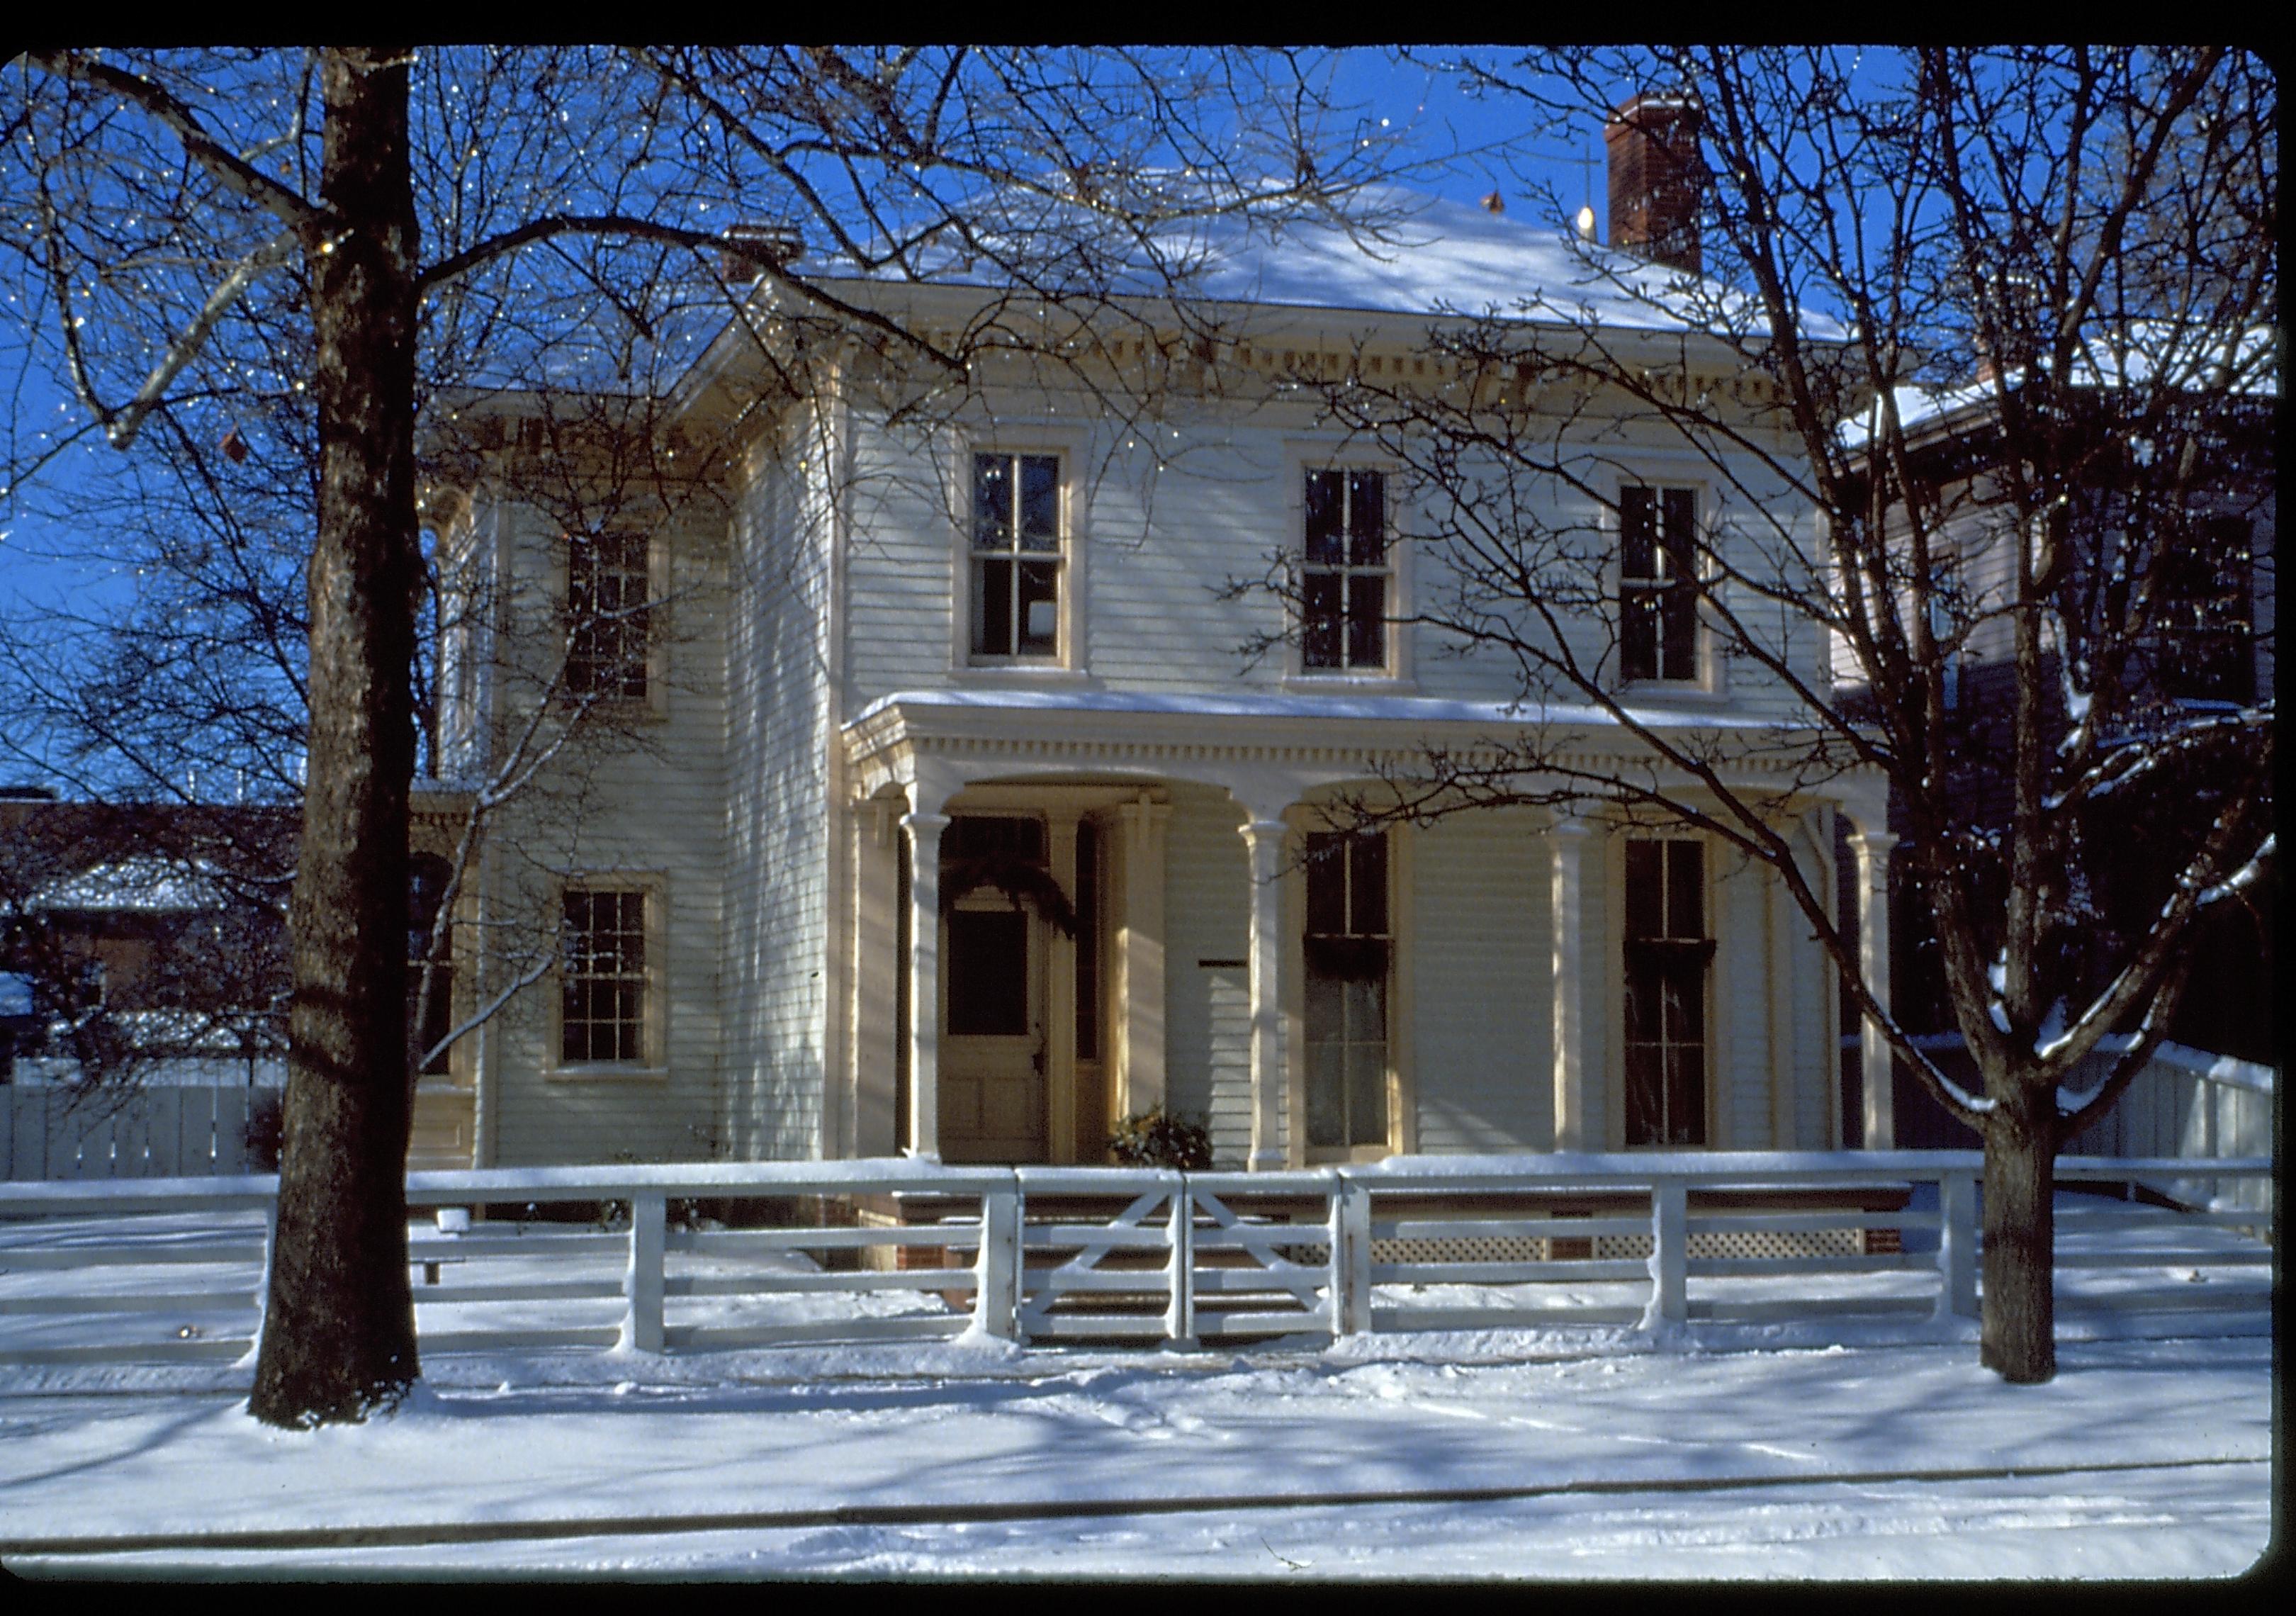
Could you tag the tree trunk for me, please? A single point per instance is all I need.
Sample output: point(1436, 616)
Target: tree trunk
point(2018, 1338)
point(339, 1327)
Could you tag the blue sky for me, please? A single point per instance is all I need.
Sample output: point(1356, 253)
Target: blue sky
point(1411, 102)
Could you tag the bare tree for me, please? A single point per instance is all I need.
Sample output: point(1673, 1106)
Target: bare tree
point(311, 259)
point(1967, 350)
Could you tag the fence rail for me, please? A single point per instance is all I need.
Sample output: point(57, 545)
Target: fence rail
point(2185, 1104)
point(176, 1268)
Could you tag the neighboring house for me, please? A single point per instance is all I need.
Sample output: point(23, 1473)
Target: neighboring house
point(963, 828)
point(139, 961)
point(2210, 651)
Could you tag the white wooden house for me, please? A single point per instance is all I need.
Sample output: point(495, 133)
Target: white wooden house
point(891, 653)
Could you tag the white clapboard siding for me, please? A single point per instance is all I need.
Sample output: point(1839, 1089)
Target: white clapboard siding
point(1480, 975)
point(1207, 1008)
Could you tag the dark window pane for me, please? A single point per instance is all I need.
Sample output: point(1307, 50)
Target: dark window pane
point(1324, 514)
point(1679, 608)
point(1367, 885)
point(1319, 645)
point(1645, 890)
point(1367, 1087)
point(1637, 540)
point(1681, 547)
point(1327, 1078)
point(1638, 635)
point(1327, 884)
point(1366, 624)
point(1645, 1094)
point(1685, 1097)
point(1366, 519)
point(992, 608)
point(1685, 889)
point(992, 502)
point(1040, 502)
point(988, 972)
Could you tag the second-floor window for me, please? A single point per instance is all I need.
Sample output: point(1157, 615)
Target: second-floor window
point(1017, 555)
point(1346, 579)
point(1658, 583)
point(607, 586)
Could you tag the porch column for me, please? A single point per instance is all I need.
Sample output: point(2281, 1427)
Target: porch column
point(1873, 847)
point(1567, 921)
point(1265, 840)
point(924, 982)
point(875, 975)
point(1059, 997)
point(1140, 960)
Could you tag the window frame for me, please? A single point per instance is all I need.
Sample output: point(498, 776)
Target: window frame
point(1714, 1033)
point(1066, 659)
point(1393, 673)
point(1706, 677)
point(652, 1065)
point(653, 702)
point(1402, 1130)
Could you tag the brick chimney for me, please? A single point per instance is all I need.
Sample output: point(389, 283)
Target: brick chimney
point(1655, 171)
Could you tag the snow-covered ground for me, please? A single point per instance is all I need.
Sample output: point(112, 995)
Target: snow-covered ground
point(1563, 1453)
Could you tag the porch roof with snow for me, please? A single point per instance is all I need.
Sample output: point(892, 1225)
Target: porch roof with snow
point(1333, 737)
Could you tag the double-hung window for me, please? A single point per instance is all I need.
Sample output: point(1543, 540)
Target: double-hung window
point(1017, 556)
point(1346, 950)
point(1347, 578)
point(608, 583)
point(1667, 953)
point(1658, 584)
point(603, 983)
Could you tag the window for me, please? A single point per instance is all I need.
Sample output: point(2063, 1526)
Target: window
point(1345, 584)
point(603, 978)
point(1017, 555)
point(1345, 989)
point(2203, 635)
point(427, 879)
point(1658, 584)
point(607, 587)
point(1666, 952)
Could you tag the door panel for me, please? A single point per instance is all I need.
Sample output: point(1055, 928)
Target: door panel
point(992, 1051)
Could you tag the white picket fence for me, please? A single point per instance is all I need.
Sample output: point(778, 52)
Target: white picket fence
point(175, 1268)
point(53, 1130)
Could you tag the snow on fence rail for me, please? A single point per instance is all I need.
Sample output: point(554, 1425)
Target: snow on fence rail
point(176, 1268)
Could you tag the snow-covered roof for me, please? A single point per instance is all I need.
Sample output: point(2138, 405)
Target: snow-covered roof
point(2149, 353)
point(142, 883)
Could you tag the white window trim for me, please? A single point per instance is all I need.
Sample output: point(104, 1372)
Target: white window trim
point(1068, 663)
point(1397, 679)
point(655, 1067)
point(1711, 682)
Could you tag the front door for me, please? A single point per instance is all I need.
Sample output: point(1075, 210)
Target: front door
point(992, 1046)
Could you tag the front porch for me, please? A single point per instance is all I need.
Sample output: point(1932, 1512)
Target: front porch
point(1465, 993)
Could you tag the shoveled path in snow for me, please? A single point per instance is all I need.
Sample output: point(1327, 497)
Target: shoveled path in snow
point(974, 1460)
